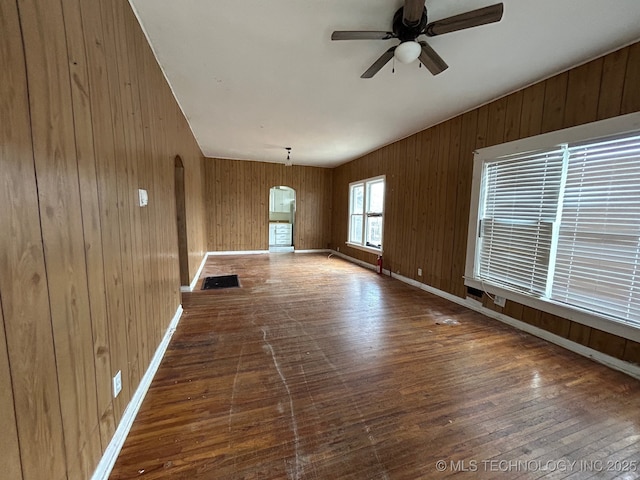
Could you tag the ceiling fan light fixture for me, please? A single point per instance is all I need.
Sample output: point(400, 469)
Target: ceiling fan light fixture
point(407, 52)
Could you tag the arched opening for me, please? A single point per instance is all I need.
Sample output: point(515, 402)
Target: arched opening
point(181, 219)
point(282, 214)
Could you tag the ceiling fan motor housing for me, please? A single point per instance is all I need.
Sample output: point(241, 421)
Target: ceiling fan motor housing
point(408, 33)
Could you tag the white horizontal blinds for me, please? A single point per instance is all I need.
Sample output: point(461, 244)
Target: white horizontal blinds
point(598, 256)
point(519, 208)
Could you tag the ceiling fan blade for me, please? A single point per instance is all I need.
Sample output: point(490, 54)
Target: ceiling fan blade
point(351, 35)
point(412, 12)
point(474, 18)
point(432, 60)
point(379, 63)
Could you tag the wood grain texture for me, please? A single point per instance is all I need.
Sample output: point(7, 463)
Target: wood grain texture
point(88, 280)
point(631, 92)
point(56, 164)
point(532, 107)
point(9, 443)
point(583, 91)
point(123, 328)
point(613, 74)
point(555, 97)
point(181, 212)
point(433, 234)
point(317, 368)
point(237, 195)
point(23, 277)
point(90, 205)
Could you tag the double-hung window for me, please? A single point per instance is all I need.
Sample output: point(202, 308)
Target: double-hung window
point(557, 226)
point(366, 213)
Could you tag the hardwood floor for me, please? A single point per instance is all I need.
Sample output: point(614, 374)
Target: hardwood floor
point(319, 369)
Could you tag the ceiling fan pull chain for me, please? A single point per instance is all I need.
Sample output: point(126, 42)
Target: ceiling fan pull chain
point(393, 65)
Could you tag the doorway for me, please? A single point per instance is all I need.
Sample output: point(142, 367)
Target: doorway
point(181, 219)
point(282, 214)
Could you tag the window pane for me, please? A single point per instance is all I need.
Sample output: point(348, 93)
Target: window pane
point(374, 232)
point(355, 232)
point(516, 254)
point(598, 259)
point(376, 197)
point(357, 199)
point(519, 210)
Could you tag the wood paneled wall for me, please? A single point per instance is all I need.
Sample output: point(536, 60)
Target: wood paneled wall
point(88, 280)
point(237, 196)
point(429, 180)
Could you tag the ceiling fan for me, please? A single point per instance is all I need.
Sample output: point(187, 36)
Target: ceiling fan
point(410, 22)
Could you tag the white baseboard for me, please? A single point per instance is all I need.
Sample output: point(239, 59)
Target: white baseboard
point(239, 252)
point(611, 362)
point(194, 282)
point(113, 449)
point(312, 250)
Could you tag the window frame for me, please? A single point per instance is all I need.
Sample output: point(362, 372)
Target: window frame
point(366, 214)
point(613, 126)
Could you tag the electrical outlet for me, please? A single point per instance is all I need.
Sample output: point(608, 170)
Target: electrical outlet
point(419, 272)
point(499, 301)
point(117, 384)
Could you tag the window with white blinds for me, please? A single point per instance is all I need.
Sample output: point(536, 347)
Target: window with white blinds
point(366, 213)
point(563, 225)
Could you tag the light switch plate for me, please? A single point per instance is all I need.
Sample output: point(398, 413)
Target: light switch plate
point(143, 196)
point(117, 384)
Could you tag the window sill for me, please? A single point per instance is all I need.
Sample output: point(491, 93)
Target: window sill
point(377, 251)
point(574, 314)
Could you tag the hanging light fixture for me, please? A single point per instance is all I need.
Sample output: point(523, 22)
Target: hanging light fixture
point(407, 52)
point(288, 163)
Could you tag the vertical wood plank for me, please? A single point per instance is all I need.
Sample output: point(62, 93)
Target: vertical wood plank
point(23, 278)
point(412, 203)
point(497, 116)
point(432, 198)
point(9, 439)
point(513, 116)
point(145, 164)
point(463, 198)
point(631, 352)
point(393, 195)
point(583, 90)
point(631, 93)
point(109, 341)
point(555, 95)
point(152, 146)
point(532, 107)
point(129, 368)
point(90, 207)
point(483, 126)
point(451, 204)
point(614, 68)
point(61, 219)
point(607, 343)
point(579, 333)
point(425, 139)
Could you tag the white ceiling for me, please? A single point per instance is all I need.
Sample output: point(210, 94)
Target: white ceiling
point(256, 76)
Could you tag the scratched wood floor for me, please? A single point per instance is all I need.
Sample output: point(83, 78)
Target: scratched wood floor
point(319, 369)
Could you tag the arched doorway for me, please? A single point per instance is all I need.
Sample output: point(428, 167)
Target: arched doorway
point(181, 219)
point(282, 214)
